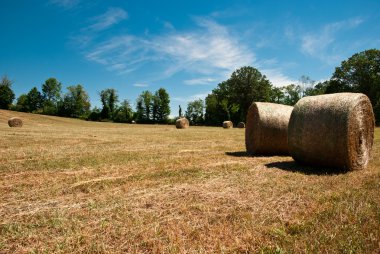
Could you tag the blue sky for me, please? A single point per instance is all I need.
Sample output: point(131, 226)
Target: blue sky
point(187, 47)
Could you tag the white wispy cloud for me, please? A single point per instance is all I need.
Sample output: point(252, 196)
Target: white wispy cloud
point(277, 78)
point(140, 85)
point(111, 17)
point(209, 49)
point(66, 4)
point(318, 44)
point(200, 81)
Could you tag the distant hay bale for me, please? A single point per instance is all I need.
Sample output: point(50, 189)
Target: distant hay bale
point(182, 123)
point(15, 122)
point(333, 130)
point(227, 124)
point(241, 125)
point(266, 130)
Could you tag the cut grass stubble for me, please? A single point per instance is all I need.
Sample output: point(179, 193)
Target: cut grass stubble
point(73, 186)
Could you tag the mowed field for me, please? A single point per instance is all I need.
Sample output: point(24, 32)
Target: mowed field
point(71, 186)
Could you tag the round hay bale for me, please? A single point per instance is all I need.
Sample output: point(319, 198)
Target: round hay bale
point(241, 125)
point(15, 122)
point(182, 123)
point(333, 130)
point(266, 130)
point(227, 124)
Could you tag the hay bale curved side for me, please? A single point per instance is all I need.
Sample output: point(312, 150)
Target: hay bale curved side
point(334, 130)
point(266, 130)
point(15, 122)
point(228, 125)
point(241, 125)
point(182, 123)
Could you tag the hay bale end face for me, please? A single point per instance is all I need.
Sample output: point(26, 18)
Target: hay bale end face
point(182, 123)
point(15, 122)
point(228, 125)
point(266, 130)
point(333, 130)
point(241, 125)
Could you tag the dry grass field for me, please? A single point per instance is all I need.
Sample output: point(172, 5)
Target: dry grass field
point(71, 186)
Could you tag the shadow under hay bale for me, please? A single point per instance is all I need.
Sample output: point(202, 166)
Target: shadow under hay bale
point(266, 131)
point(15, 122)
point(182, 123)
point(228, 125)
point(241, 125)
point(333, 130)
point(293, 166)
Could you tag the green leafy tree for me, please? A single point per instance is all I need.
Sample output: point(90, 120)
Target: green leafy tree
point(232, 98)
point(246, 85)
point(75, 103)
point(124, 113)
point(6, 93)
point(34, 100)
point(22, 103)
point(195, 112)
point(292, 94)
point(51, 92)
point(109, 99)
point(214, 114)
point(161, 106)
point(95, 114)
point(144, 107)
point(278, 95)
point(360, 73)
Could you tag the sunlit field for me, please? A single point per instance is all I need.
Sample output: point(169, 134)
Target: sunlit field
point(71, 186)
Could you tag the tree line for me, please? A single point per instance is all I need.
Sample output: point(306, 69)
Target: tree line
point(151, 108)
point(230, 100)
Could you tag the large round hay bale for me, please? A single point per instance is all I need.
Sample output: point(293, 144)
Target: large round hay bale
point(333, 130)
point(241, 125)
point(227, 124)
point(182, 123)
point(15, 122)
point(266, 130)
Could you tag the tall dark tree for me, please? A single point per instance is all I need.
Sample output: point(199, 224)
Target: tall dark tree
point(179, 111)
point(161, 107)
point(76, 102)
point(144, 107)
point(109, 99)
point(214, 114)
point(6, 93)
point(34, 100)
point(139, 114)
